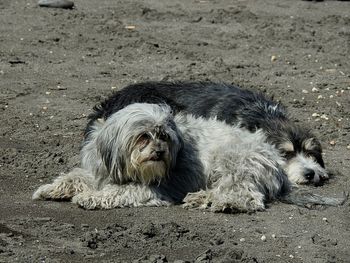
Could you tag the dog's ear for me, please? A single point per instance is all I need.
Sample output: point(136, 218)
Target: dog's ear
point(176, 141)
point(312, 144)
point(111, 154)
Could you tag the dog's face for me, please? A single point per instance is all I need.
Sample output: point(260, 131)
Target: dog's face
point(150, 157)
point(304, 163)
point(139, 143)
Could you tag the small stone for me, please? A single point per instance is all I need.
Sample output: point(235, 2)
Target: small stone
point(61, 88)
point(320, 97)
point(113, 88)
point(314, 89)
point(348, 147)
point(273, 236)
point(304, 91)
point(242, 239)
point(291, 256)
point(66, 4)
point(44, 108)
point(273, 58)
point(263, 238)
point(331, 96)
point(47, 92)
point(130, 27)
point(315, 115)
point(332, 142)
point(324, 116)
point(205, 256)
point(325, 219)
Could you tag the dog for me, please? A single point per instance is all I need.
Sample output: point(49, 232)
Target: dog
point(143, 155)
point(252, 110)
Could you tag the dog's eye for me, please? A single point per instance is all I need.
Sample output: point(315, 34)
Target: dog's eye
point(313, 155)
point(288, 154)
point(144, 137)
point(163, 136)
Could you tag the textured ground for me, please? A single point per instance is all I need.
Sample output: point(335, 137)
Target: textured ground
point(56, 64)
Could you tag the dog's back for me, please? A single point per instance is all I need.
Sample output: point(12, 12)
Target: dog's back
point(207, 99)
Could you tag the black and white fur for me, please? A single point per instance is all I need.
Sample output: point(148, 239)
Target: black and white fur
point(142, 155)
point(301, 149)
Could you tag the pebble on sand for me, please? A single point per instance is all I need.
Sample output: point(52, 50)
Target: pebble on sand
point(325, 117)
point(130, 27)
point(263, 238)
point(66, 4)
point(273, 58)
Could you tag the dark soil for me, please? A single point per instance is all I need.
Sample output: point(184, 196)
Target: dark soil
point(56, 64)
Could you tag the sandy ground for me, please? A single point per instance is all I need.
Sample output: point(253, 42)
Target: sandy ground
point(56, 64)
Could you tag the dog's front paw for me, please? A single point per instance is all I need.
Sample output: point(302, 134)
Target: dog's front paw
point(86, 201)
point(51, 191)
point(42, 192)
point(198, 200)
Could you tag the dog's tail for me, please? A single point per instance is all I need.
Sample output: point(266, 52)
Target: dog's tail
point(303, 198)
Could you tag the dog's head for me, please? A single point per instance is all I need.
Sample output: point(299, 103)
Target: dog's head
point(139, 143)
point(303, 154)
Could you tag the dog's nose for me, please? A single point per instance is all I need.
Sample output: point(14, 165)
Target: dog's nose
point(160, 153)
point(309, 174)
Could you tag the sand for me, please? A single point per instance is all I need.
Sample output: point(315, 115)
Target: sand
point(56, 64)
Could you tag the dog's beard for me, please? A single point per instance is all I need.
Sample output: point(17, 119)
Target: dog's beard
point(147, 169)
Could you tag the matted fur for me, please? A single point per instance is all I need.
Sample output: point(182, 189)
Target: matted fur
point(233, 105)
point(213, 165)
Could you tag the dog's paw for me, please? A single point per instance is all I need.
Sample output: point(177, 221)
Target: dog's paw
point(198, 200)
point(41, 192)
point(50, 191)
point(86, 201)
point(226, 207)
point(223, 208)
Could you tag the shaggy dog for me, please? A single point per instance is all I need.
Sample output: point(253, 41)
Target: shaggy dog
point(300, 148)
point(142, 155)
